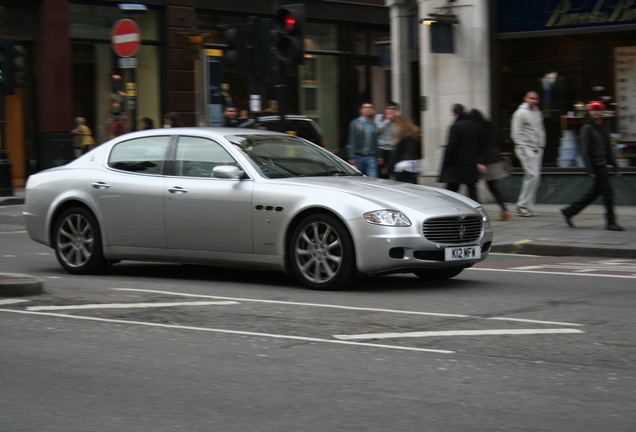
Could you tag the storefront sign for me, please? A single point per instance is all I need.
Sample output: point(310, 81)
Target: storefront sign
point(625, 67)
point(516, 16)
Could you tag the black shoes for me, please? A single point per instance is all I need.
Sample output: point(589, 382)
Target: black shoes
point(615, 227)
point(568, 220)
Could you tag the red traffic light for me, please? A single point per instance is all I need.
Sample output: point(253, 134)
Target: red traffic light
point(289, 21)
point(290, 34)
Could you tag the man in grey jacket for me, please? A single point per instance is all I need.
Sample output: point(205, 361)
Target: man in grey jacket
point(528, 133)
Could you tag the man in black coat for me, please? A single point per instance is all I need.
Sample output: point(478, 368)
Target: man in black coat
point(597, 153)
point(460, 164)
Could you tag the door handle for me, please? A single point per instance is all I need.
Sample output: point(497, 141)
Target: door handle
point(100, 185)
point(177, 190)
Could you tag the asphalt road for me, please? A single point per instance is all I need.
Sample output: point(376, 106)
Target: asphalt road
point(520, 343)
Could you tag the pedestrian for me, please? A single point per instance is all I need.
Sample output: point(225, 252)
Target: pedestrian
point(528, 133)
point(118, 124)
point(495, 166)
point(405, 159)
point(147, 123)
point(386, 146)
point(171, 120)
point(594, 140)
point(363, 141)
point(83, 137)
point(460, 163)
point(230, 116)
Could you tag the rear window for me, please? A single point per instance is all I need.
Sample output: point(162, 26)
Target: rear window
point(140, 155)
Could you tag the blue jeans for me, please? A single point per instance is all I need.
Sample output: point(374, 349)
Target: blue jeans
point(367, 165)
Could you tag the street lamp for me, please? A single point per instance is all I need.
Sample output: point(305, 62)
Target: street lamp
point(441, 29)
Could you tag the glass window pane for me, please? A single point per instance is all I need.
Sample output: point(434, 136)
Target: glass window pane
point(197, 157)
point(142, 155)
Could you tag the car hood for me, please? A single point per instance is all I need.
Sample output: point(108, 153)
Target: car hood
point(386, 192)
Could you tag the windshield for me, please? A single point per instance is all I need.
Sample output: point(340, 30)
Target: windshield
point(286, 156)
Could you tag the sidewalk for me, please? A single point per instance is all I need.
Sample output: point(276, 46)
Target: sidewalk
point(545, 234)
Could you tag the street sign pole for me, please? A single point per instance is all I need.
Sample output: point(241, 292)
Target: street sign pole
point(126, 41)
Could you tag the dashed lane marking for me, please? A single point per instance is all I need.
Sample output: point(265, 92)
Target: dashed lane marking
point(11, 301)
point(395, 311)
point(234, 332)
point(445, 333)
point(129, 305)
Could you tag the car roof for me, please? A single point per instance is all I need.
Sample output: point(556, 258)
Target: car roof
point(287, 116)
point(209, 131)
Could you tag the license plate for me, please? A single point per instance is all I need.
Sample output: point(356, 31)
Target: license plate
point(462, 253)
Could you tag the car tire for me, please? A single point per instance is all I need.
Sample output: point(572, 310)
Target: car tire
point(321, 253)
point(439, 274)
point(77, 242)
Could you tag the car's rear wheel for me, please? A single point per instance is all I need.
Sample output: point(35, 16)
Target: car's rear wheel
point(322, 254)
point(439, 274)
point(77, 242)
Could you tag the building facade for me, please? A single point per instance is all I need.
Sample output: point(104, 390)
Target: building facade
point(569, 51)
point(486, 57)
point(73, 70)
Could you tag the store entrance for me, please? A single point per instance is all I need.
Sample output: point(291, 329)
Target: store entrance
point(83, 84)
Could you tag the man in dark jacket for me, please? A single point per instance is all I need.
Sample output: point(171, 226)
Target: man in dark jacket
point(460, 164)
point(597, 153)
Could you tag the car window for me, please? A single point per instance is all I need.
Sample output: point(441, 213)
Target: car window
point(283, 156)
point(140, 155)
point(197, 157)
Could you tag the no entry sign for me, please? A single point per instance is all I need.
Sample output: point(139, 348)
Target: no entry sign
point(126, 38)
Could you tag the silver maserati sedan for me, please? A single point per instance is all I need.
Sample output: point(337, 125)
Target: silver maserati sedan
point(251, 199)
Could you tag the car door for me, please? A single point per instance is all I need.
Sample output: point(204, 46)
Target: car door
point(206, 213)
point(130, 195)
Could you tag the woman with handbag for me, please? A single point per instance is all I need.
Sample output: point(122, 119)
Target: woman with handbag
point(404, 163)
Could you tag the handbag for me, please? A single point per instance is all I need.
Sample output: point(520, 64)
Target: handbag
point(496, 171)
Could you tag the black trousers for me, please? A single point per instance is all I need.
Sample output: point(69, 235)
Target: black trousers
point(472, 189)
point(493, 186)
point(601, 186)
point(386, 155)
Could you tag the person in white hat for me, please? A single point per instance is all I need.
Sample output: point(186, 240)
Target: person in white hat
point(594, 139)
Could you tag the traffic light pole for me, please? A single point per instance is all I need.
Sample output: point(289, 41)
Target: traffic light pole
point(216, 102)
point(281, 93)
point(6, 186)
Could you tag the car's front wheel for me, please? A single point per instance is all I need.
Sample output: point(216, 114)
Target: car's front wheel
point(77, 242)
point(322, 254)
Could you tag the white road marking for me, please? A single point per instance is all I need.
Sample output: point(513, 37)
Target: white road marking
point(395, 311)
point(128, 305)
point(553, 273)
point(446, 333)
point(234, 332)
point(12, 301)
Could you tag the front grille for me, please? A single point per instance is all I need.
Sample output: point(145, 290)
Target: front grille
point(453, 229)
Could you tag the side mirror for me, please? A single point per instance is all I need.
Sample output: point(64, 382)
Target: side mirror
point(228, 172)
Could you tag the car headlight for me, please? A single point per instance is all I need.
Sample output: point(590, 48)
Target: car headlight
point(484, 214)
point(387, 218)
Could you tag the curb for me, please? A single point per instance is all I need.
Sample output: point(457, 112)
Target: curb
point(530, 248)
point(11, 201)
point(16, 284)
